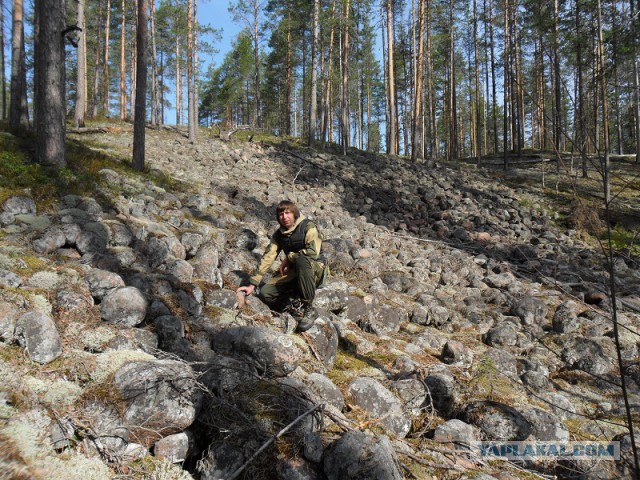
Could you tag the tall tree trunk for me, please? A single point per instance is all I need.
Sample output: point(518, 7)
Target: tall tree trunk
point(18, 111)
point(3, 80)
point(256, 61)
point(81, 77)
point(107, 30)
point(453, 104)
point(518, 87)
point(416, 143)
point(494, 113)
point(123, 63)
point(478, 151)
point(50, 83)
point(505, 90)
point(616, 78)
point(133, 66)
point(178, 84)
point(196, 101)
point(605, 109)
point(155, 96)
point(96, 72)
point(313, 103)
point(326, 106)
point(392, 141)
point(636, 107)
point(345, 80)
point(141, 88)
point(190, 72)
point(557, 85)
point(288, 79)
point(581, 133)
point(434, 141)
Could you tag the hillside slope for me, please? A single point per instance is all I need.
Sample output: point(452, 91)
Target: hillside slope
point(456, 312)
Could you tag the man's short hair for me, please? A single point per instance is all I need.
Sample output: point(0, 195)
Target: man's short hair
point(288, 205)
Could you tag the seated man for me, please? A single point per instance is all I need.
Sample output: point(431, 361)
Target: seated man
point(302, 269)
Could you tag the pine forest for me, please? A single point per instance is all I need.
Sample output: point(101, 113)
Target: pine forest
point(485, 80)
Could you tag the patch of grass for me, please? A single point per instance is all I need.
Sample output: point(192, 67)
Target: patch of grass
point(20, 173)
point(489, 383)
point(625, 239)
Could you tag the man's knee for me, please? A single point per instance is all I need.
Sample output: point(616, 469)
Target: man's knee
point(303, 263)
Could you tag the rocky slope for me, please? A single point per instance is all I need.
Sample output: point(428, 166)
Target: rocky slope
point(455, 312)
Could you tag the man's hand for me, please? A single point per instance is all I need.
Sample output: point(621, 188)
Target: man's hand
point(246, 291)
point(284, 266)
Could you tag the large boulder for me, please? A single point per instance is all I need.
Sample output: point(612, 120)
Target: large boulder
point(272, 353)
point(124, 306)
point(37, 333)
point(358, 456)
point(380, 404)
point(162, 398)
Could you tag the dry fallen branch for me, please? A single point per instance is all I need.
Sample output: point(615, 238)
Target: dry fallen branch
point(273, 439)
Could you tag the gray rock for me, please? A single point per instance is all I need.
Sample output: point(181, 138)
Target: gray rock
point(220, 461)
point(162, 397)
point(530, 310)
point(124, 306)
point(455, 432)
point(71, 232)
point(313, 448)
point(358, 456)
point(503, 362)
point(412, 393)
point(335, 297)
point(324, 388)
point(8, 316)
point(502, 335)
point(120, 235)
point(384, 319)
point(93, 238)
point(323, 337)
point(565, 318)
point(170, 331)
point(111, 432)
point(191, 242)
point(420, 315)
point(102, 282)
point(355, 309)
point(181, 269)
point(545, 426)
point(497, 420)
point(174, 448)
point(191, 299)
point(205, 264)
point(19, 205)
point(37, 333)
point(502, 281)
point(9, 279)
point(379, 403)
point(157, 250)
point(272, 353)
point(52, 239)
point(455, 352)
point(221, 298)
point(7, 219)
point(296, 468)
point(443, 392)
point(247, 240)
point(586, 354)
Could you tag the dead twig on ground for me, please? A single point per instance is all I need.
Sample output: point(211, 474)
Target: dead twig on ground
point(273, 439)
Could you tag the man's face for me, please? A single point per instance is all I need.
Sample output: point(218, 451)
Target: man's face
point(286, 218)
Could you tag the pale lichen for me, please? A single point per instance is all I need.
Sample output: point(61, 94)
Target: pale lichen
point(109, 362)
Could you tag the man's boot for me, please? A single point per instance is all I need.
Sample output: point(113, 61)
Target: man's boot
point(307, 317)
